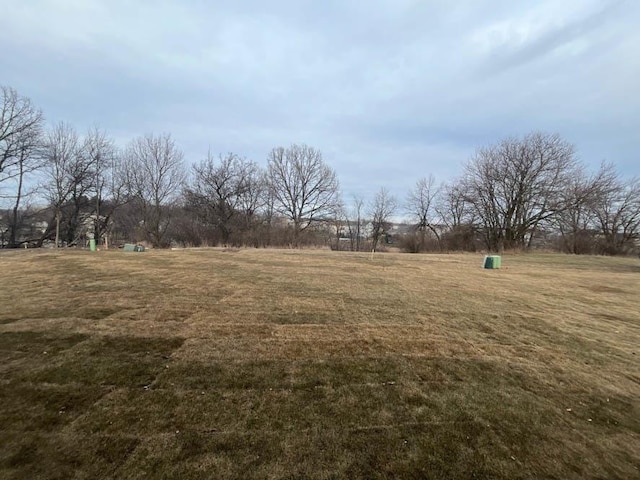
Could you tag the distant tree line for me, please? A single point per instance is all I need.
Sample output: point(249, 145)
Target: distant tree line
point(59, 187)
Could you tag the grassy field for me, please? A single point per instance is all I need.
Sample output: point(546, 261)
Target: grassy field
point(257, 364)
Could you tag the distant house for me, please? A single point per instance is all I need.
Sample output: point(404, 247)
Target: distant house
point(30, 230)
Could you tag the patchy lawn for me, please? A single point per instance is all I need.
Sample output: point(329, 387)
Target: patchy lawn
point(257, 364)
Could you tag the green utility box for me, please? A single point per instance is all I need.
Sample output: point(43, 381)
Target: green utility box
point(492, 261)
point(92, 244)
point(129, 247)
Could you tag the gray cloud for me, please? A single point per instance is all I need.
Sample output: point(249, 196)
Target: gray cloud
point(388, 90)
point(554, 37)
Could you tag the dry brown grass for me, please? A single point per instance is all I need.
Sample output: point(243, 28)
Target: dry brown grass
point(316, 364)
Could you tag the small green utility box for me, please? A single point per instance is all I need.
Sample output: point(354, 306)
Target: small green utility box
point(492, 261)
point(131, 247)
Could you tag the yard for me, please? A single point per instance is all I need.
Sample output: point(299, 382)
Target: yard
point(256, 364)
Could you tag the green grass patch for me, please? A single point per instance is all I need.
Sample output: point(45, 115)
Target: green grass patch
point(117, 361)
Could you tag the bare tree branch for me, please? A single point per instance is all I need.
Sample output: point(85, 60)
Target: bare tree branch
point(304, 188)
point(516, 184)
point(154, 173)
point(381, 209)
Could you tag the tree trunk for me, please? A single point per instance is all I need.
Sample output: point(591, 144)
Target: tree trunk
point(16, 207)
point(57, 227)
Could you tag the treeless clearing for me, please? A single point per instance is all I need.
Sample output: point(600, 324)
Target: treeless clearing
point(315, 364)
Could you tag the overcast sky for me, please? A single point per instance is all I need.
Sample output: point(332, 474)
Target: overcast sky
point(388, 90)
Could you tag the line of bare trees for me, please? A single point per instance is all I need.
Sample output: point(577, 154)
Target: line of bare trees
point(146, 192)
point(60, 187)
point(528, 192)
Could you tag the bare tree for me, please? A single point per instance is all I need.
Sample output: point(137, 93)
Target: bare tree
point(69, 174)
point(154, 173)
point(516, 185)
point(452, 207)
point(29, 159)
point(457, 214)
point(83, 183)
point(381, 209)
point(252, 205)
point(355, 223)
point(303, 186)
point(108, 187)
point(421, 207)
point(20, 131)
point(20, 141)
point(338, 222)
point(225, 194)
point(616, 207)
point(577, 223)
